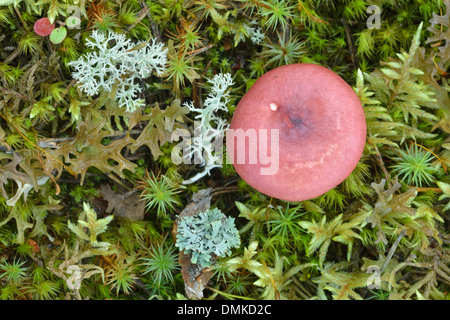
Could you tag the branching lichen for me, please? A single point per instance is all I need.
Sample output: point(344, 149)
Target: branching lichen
point(114, 65)
point(209, 127)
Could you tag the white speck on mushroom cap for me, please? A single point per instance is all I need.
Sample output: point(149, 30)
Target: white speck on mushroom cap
point(273, 106)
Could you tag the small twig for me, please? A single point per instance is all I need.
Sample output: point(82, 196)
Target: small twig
point(350, 22)
point(20, 95)
point(350, 43)
point(39, 262)
point(313, 18)
point(438, 190)
point(141, 15)
point(16, 9)
point(277, 293)
point(221, 190)
point(154, 27)
point(392, 250)
point(380, 161)
point(434, 154)
point(196, 87)
point(228, 295)
point(12, 56)
point(195, 52)
point(53, 142)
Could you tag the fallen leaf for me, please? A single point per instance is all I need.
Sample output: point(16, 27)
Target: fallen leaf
point(123, 204)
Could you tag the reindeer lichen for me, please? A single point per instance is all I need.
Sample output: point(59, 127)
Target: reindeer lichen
point(114, 65)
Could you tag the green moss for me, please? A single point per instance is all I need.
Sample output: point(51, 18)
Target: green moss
point(60, 145)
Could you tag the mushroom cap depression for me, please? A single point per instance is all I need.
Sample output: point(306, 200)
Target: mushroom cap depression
point(319, 138)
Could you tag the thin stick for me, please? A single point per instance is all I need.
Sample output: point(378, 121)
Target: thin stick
point(200, 50)
point(350, 43)
point(140, 15)
point(22, 96)
point(52, 142)
point(392, 250)
point(228, 295)
point(313, 18)
point(437, 157)
point(438, 190)
point(380, 161)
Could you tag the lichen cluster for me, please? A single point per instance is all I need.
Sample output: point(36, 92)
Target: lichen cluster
point(207, 236)
point(109, 188)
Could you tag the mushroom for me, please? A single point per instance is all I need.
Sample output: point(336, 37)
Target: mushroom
point(297, 133)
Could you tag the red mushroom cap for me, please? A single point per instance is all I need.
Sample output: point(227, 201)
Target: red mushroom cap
point(43, 27)
point(321, 132)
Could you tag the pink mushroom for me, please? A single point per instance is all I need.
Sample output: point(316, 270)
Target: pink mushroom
point(297, 133)
point(43, 27)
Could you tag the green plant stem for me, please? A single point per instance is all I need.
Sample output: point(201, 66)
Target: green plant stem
point(229, 295)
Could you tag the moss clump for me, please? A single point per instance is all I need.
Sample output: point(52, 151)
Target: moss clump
point(67, 149)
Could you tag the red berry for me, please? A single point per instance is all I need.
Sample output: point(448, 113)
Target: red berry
point(43, 27)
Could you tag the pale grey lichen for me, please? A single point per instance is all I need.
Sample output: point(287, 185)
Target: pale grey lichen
point(255, 34)
point(206, 236)
point(209, 131)
point(114, 63)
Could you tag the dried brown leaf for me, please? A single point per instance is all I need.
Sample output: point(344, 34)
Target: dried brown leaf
point(86, 150)
point(123, 204)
